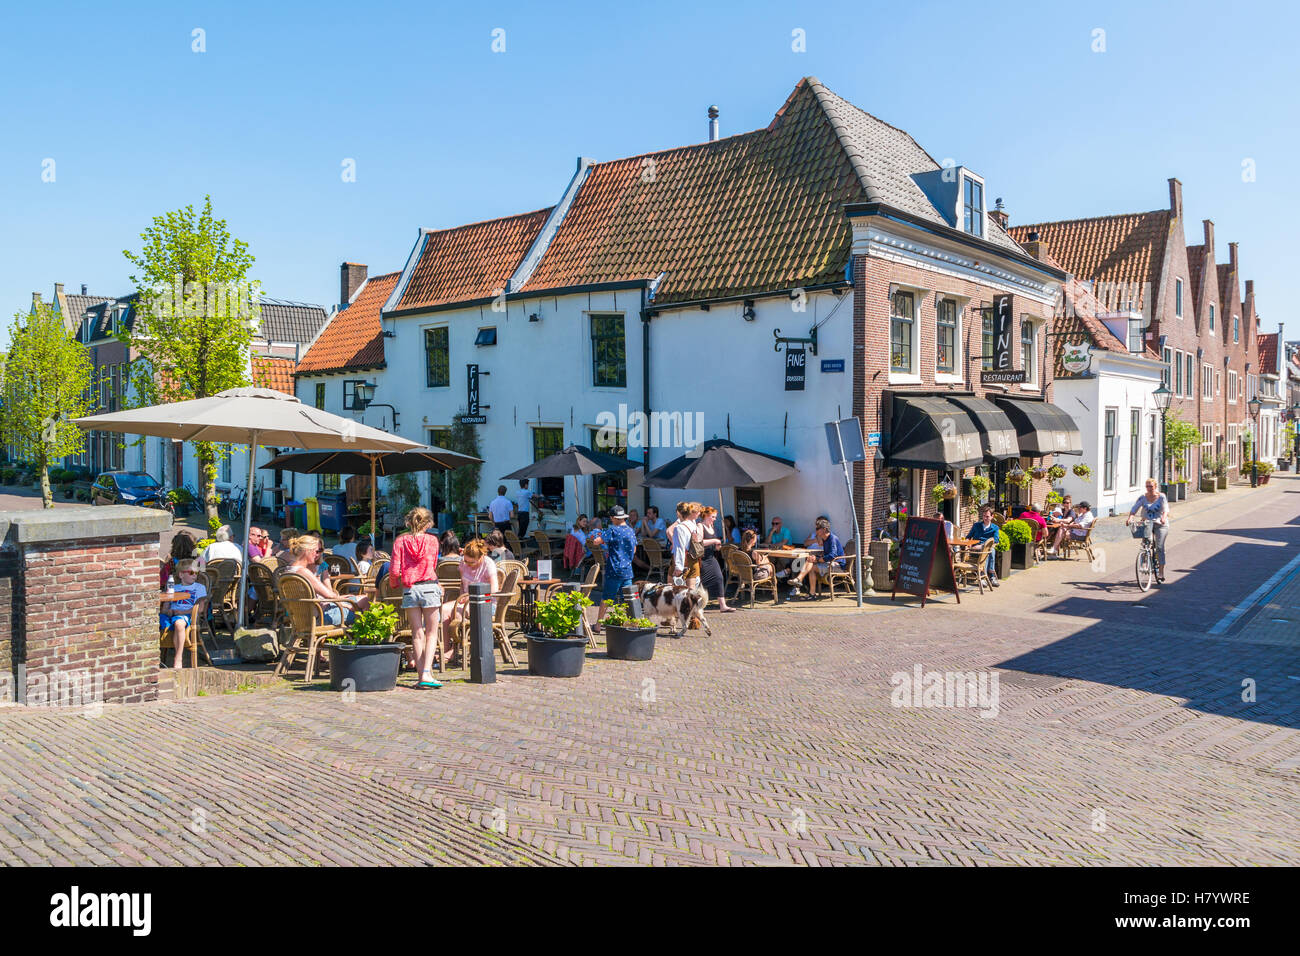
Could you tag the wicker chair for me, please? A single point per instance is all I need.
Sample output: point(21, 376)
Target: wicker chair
point(505, 598)
point(975, 564)
point(517, 547)
point(844, 574)
point(223, 599)
point(343, 572)
point(543, 546)
point(449, 578)
point(308, 630)
point(597, 557)
point(1070, 544)
point(193, 635)
point(266, 603)
point(508, 565)
point(741, 568)
point(655, 557)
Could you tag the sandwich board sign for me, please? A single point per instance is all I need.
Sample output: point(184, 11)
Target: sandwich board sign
point(924, 560)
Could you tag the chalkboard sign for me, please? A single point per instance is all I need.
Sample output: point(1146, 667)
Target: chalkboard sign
point(924, 560)
point(749, 510)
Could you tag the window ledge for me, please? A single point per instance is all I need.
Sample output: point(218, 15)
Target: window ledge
point(904, 378)
point(948, 378)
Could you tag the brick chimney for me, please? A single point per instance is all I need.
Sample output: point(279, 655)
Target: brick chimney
point(351, 277)
point(1176, 198)
point(1232, 257)
point(1208, 226)
point(999, 214)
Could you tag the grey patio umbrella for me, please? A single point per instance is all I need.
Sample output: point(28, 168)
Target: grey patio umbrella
point(719, 463)
point(359, 462)
point(247, 416)
point(574, 460)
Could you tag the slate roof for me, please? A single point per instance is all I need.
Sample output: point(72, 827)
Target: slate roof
point(469, 262)
point(1267, 353)
point(273, 372)
point(354, 338)
point(284, 321)
point(759, 211)
point(1122, 254)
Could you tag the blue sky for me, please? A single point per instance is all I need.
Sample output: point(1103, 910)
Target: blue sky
point(445, 131)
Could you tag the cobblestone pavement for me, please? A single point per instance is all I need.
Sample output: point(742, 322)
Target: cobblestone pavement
point(1124, 733)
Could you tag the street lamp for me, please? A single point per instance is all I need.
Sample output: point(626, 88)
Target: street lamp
point(1162, 396)
point(1254, 406)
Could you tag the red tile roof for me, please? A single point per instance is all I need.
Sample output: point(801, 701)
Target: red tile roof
point(469, 262)
point(273, 372)
point(757, 211)
point(1267, 353)
point(353, 338)
point(1122, 254)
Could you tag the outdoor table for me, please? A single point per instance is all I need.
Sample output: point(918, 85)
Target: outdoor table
point(528, 602)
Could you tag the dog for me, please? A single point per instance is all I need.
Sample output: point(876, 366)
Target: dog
point(673, 603)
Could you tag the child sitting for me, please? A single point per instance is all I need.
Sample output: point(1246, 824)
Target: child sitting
point(185, 602)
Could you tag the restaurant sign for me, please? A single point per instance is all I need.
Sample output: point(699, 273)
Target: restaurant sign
point(796, 367)
point(924, 560)
point(1001, 373)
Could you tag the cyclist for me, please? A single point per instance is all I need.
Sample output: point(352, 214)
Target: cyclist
point(1153, 506)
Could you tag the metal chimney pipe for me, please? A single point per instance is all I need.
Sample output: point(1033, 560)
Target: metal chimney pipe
point(713, 123)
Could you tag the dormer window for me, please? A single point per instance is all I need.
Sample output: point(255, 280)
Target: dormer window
point(973, 205)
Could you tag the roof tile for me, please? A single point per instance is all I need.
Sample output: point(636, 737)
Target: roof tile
point(353, 337)
point(273, 372)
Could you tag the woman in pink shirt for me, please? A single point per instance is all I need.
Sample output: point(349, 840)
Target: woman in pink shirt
point(475, 568)
point(415, 566)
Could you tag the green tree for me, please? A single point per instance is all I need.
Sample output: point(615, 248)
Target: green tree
point(464, 481)
point(196, 316)
point(46, 385)
point(1180, 435)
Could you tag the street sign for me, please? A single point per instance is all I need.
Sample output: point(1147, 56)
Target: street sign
point(845, 440)
point(873, 439)
point(832, 365)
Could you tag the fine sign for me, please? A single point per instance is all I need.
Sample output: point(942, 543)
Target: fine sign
point(795, 368)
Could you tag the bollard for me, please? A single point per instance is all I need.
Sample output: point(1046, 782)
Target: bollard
point(632, 598)
point(482, 650)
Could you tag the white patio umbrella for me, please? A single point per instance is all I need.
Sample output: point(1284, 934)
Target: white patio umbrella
point(253, 417)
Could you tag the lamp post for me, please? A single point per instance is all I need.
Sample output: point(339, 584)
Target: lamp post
point(1162, 396)
point(1254, 406)
point(1295, 434)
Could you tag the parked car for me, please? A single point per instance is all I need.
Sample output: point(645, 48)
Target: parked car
point(126, 488)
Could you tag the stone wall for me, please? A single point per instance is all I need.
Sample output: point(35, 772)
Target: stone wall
point(79, 602)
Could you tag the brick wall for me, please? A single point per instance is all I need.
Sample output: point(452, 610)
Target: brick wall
point(79, 595)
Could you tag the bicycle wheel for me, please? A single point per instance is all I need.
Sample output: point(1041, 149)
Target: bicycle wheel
point(1145, 572)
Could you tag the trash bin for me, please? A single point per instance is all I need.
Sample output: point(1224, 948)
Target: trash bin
point(332, 506)
point(313, 514)
point(295, 514)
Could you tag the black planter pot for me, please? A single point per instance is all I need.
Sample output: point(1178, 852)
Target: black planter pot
point(1022, 556)
point(556, 656)
point(630, 643)
point(364, 667)
point(1002, 563)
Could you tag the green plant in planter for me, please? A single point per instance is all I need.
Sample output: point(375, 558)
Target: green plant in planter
point(180, 496)
point(1039, 472)
point(617, 615)
point(365, 528)
point(1056, 473)
point(1017, 531)
point(1004, 543)
point(560, 616)
point(374, 625)
point(1219, 467)
point(1082, 471)
point(1022, 480)
point(203, 543)
point(1055, 497)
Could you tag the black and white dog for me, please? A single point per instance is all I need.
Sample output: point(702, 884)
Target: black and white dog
point(668, 603)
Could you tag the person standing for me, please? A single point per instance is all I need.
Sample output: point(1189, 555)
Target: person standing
point(414, 565)
point(686, 555)
point(525, 506)
point(500, 509)
point(711, 576)
point(620, 546)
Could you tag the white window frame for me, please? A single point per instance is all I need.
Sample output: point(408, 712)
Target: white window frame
point(984, 205)
point(1188, 369)
point(1031, 381)
point(1168, 374)
point(1178, 298)
point(912, 375)
point(1233, 386)
point(1110, 449)
point(1207, 380)
point(959, 312)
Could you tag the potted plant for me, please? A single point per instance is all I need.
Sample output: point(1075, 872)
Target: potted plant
point(1021, 536)
point(1038, 472)
point(979, 486)
point(1021, 479)
point(1054, 498)
point(628, 638)
point(1055, 473)
point(182, 501)
point(1002, 555)
point(1208, 483)
point(1220, 469)
point(1082, 471)
point(558, 649)
point(1264, 469)
point(943, 491)
point(368, 658)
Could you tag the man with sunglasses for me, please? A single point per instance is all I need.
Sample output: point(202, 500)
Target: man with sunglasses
point(779, 534)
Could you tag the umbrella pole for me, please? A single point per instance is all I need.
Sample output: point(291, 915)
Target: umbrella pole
point(248, 523)
point(373, 527)
point(577, 505)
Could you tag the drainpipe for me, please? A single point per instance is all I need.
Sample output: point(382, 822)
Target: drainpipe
point(645, 397)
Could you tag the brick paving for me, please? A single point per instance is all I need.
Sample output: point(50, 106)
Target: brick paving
point(1121, 737)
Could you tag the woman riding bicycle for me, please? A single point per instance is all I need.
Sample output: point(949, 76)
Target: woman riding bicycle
point(1154, 507)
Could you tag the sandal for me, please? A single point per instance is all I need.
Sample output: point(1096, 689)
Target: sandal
point(425, 683)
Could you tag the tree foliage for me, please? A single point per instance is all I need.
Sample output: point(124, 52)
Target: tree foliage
point(196, 315)
point(1180, 434)
point(47, 384)
point(464, 481)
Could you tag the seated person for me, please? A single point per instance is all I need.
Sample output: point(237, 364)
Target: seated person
point(594, 535)
point(347, 546)
point(1061, 512)
point(1034, 515)
point(832, 557)
point(365, 555)
point(763, 568)
point(496, 544)
point(449, 546)
point(653, 526)
point(981, 531)
point(779, 534)
point(731, 534)
point(948, 530)
point(221, 547)
point(306, 552)
point(475, 568)
point(281, 548)
point(812, 539)
point(184, 604)
point(181, 549)
point(1076, 528)
point(259, 543)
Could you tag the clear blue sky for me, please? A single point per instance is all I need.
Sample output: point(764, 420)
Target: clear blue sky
point(445, 131)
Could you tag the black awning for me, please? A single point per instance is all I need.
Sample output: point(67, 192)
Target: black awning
point(997, 433)
point(1042, 428)
point(932, 433)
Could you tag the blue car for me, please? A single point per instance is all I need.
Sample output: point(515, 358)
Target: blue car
point(126, 488)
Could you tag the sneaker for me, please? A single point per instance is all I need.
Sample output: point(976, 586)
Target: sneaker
point(1052, 552)
point(782, 575)
point(993, 580)
point(794, 593)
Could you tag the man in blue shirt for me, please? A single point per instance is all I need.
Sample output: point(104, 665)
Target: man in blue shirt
point(982, 530)
point(832, 558)
point(779, 534)
point(620, 545)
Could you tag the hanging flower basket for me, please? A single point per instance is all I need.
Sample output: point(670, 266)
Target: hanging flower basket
point(1039, 472)
point(943, 491)
point(1022, 479)
point(1056, 473)
point(1082, 471)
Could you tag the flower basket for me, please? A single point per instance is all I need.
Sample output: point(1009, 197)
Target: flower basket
point(1082, 471)
point(1038, 473)
point(1056, 473)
